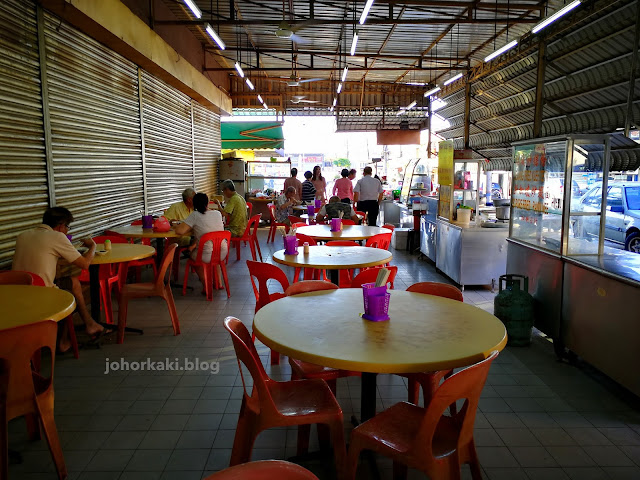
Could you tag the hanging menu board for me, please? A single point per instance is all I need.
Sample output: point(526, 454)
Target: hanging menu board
point(528, 181)
point(445, 177)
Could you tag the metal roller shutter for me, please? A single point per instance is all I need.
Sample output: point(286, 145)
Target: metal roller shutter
point(206, 129)
point(95, 127)
point(166, 114)
point(23, 169)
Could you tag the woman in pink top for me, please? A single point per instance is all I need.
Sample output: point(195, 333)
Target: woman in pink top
point(343, 187)
point(320, 183)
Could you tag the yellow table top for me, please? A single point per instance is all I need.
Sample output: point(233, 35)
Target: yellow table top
point(136, 231)
point(123, 252)
point(335, 258)
point(349, 232)
point(25, 304)
point(425, 332)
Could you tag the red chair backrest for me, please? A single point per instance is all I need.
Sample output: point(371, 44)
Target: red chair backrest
point(252, 223)
point(272, 213)
point(17, 346)
point(250, 207)
point(264, 470)
point(309, 286)
point(342, 243)
point(136, 222)
point(113, 238)
point(362, 214)
point(255, 221)
point(381, 240)
point(246, 354)
point(467, 384)
point(16, 277)
point(263, 272)
point(216, 238)
point(370, 274)
point(298, 225)
point(293, 219)
point(305, 238)
point(438, 289)
point(165, 267)
point(346, 221)
point(388, 226)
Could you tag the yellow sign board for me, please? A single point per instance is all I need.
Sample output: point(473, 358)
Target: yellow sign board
point(445, 178)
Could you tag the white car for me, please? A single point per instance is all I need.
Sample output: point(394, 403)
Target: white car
point(622, 224)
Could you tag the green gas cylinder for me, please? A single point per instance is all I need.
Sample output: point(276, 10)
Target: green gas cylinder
point(514, 307)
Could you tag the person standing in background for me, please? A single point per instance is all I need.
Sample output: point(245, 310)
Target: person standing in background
point(343, 188)
point(308, 190)
point(320, 184)
point(292, 181)
point(352, 174)
point(368, 195)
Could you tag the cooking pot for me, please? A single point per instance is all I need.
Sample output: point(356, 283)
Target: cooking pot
point(502, 213)
point(501, 202)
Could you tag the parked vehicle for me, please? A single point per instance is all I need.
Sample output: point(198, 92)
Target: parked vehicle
point(622, 223)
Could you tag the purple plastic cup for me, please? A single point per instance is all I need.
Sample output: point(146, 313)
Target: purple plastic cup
point(318, 204)
point(147, 221)
point(311, 210)
point(70, 237)
point(290, 245)
point(376, 302)
point(336, 223)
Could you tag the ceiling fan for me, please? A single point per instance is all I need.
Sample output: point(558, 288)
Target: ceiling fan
point(301, 99)
point(286, 31)
point(295, 81)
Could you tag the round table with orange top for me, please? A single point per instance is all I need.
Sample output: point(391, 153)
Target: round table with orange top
point(348, 232)
point(425, 333)
point(25, 304)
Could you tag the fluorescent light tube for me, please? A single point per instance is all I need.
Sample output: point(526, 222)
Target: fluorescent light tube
point(400, 112)
point(354, 43)
point(453, 79)
point(331, 109)
point(239, 69)
point(194, 8)
point(365, 12)
point(432, 91)
point(260, 99)
point(339, 87)
point(500, 51)
point(250, 84)
point(411, 105)
point(344, 74)
point(212, 33)
point(555, 16)
point(335, 100)
point(265, 106)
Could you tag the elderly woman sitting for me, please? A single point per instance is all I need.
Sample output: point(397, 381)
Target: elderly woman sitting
point(200, 222)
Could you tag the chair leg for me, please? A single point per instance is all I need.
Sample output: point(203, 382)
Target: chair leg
point(105, 292)
point(414, 392)
point(399, 471)
point(339, 447)
point(252, 246)
point(244, 438)
point(185, 280)
point(275, 358)
point(352, 460)
point(208, 282)
point(72, 336)
point(51, 435)
point(122, 317)
point(223, 268)
point(304, 431)
point(168, 297)
point(255, 239)
point(296, 274)
point(474, 463)
point(33, 430)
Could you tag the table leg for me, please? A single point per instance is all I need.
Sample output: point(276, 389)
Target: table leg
point(334, 276)
point(159, 251)
point(94, 286)
point(368, 396)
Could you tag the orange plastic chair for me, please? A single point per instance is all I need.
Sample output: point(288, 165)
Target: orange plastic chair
point(160, 288)
point(370, 274)
point(250, 235)
point(298, 225)
point(381, 240)
point(274, 224)
point(264, 470)
point(28, 393)
point(211, 268)
point(15, 277)
point(280, 404)
point(424, 438)
point(309, 286)
point(263, 273)
point(388, 226)
point(342, 243)
point(348, 221)
point(345, 276)
point(429, 381)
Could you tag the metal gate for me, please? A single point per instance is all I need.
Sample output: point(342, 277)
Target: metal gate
point(206, 129)
point(95, 128)
point(23, 169)
point(166, 116)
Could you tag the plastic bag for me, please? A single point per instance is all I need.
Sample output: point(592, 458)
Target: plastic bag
point(161, 225)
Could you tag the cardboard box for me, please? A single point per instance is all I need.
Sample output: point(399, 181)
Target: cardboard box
point(399, 238)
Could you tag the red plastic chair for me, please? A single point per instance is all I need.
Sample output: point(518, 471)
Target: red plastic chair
point(363, 215)
point(250, 235)
point(381, 240)
point(16, 277)
point(160, 288)
point(342, 243)
point(388, 226)
point(424, 438)
point(280, 404)
point(345, 276)
point(309, 286)
point(309, 273)
point(370, 274)
point(211, 268)
point(250, 208)
point(348, 221)
point(293, 219)
point(429, 381)
point(263, 273)
point(298, 225)
point(264, 470)
point(29, 394)
point(274, 224)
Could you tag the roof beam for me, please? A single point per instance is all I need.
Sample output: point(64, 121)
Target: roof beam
point(370, 21)
point(331, 69)
point(464, 4)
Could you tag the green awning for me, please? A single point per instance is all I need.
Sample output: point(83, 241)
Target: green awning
point(252, 135)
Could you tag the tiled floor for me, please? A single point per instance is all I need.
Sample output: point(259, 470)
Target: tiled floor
point(538, 419)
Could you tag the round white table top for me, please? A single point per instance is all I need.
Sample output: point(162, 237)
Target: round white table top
point(334, 258)
point(348, 232)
